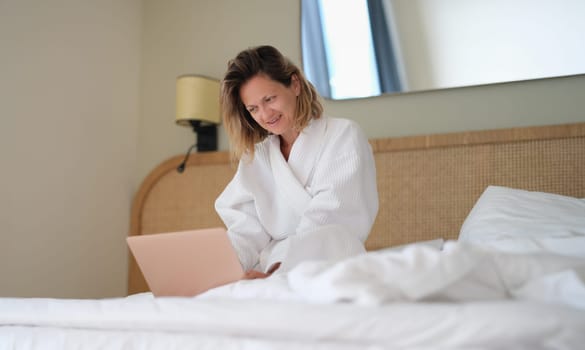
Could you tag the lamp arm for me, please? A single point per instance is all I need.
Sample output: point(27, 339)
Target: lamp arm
point(181, 166)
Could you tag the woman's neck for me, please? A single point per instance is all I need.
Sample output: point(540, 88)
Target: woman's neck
point(286, 143)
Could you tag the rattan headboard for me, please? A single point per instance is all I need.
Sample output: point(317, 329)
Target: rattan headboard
point(426, 184)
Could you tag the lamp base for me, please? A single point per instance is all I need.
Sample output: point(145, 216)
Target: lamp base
point(206, 136)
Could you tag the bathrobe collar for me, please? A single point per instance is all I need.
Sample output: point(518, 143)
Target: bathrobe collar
point(305, 151)
point(292, 176)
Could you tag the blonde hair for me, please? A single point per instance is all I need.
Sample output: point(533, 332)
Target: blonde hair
point(242, 129)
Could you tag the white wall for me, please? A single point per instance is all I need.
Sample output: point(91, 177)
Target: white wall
point(450, 43)
point(69, 89)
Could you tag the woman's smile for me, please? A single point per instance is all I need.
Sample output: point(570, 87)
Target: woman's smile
point(274, 121)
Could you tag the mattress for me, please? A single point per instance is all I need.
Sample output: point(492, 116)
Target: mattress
point(415, 298)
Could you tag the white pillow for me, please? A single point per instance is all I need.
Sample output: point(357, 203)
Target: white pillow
point(524, 221)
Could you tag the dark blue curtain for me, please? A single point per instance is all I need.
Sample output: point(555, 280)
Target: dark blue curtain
point(313, 48)
point(315, 55)
point(383, 49)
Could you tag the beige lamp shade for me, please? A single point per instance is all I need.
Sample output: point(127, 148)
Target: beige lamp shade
point(197, 99)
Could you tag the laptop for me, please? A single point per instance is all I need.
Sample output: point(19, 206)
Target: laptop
point(186, 263)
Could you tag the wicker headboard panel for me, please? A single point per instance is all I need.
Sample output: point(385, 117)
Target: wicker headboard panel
point(426, 184)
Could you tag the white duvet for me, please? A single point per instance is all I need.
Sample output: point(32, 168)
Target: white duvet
point(460, 272)
point(420, 297)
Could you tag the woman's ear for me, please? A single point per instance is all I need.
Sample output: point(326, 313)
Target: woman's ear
point(295, 84)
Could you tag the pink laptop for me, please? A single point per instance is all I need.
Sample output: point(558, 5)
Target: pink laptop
point(186, 263)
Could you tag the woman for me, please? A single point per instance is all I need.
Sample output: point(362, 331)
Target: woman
point(305, 187)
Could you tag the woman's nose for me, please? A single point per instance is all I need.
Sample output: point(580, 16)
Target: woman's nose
point(264, 113)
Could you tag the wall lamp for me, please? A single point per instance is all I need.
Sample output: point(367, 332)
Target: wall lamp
point(198, 108)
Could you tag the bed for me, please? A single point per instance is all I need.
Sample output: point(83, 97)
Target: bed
point(479, 243)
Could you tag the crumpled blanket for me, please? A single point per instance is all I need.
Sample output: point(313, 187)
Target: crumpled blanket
point(458, 272)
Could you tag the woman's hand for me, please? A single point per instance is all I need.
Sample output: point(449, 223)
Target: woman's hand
point(254, 274)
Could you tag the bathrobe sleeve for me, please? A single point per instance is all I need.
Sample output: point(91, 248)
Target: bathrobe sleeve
point(237, 209)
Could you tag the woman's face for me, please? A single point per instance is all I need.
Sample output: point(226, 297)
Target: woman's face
point(271, 104)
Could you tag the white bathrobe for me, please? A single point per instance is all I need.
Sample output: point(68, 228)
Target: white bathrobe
point(320, 205)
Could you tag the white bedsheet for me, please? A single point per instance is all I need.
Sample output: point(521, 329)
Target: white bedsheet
point(119, 323)
point(417, 298)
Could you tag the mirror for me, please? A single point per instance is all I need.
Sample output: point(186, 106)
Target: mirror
point(363, 48)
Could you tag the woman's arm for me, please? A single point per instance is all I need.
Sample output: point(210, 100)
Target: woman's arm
point(235, 206)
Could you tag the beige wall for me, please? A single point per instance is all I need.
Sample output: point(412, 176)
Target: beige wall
point(75, 147)
point(191, 36)
point(183, 36)
point(69, 76)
